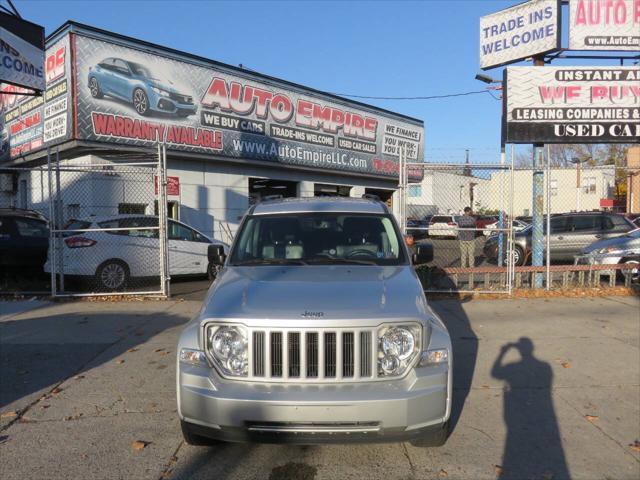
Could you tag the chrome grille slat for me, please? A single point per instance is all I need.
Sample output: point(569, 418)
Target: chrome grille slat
point(258, 354)
point(330, 354)
point(293, 353)
point(347, 354)
point(312, 355)
point(276, 354)
point(365, 354)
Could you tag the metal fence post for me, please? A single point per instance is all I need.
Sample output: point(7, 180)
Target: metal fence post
point(167, 280)
point(59, 221)
point(510, 243)
point(52, 227)
point(548, 221)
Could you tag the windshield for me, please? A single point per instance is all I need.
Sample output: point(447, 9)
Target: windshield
point(634, 233)
point(318, 238)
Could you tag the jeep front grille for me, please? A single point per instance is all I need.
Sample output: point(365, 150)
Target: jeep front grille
point(331, 355)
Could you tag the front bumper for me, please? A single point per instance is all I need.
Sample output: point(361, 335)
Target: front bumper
point(397, 410)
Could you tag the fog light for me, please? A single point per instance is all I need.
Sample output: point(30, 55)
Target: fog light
point(193, 357)
point(434, 357)
point(390, 364)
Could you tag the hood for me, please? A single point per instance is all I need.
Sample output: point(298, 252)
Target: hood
point(623, 243)
point(337, 291)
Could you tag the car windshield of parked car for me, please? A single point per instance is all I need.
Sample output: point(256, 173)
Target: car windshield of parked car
point(318, 239)
point(140, 70)
point(633, 233)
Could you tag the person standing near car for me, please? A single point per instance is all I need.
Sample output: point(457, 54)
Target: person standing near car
point(467, 239)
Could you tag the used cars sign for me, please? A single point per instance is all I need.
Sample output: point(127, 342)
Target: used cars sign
point(21, 53)
point(604, 25)
point(519, 32)
point(572, 104)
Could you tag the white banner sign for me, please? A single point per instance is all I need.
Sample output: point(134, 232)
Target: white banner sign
point(519, 32)
point(604, 25)
point(21, 63)
point(572, 105)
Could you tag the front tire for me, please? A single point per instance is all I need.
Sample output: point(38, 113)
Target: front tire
point(141, 102)
point(435, 439)
point(635, 273)
point(191, 438)
point(212, 271)
point(94, 88)
point(112, 275)
point(518, 256)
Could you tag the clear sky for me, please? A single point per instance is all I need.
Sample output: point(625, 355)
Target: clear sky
point(384, 48)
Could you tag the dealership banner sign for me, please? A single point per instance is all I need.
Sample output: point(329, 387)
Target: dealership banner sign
point(21, 53)
point(519, 32)
point(604, 25)
point(29, 123)
point(129, 97)
point(572, 105)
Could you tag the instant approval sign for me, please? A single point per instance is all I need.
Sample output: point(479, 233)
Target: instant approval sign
point(519, 32)
point(572, 105)
point(604, 25)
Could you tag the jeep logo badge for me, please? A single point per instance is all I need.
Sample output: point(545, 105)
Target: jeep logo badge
point(308, 314)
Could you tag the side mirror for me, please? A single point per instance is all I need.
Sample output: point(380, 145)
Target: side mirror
point(216, 255)
point(423, 254)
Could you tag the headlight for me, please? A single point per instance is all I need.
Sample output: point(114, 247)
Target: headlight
point(398, 346)
point(228, 347)
point(159, 91)
point(608, 250)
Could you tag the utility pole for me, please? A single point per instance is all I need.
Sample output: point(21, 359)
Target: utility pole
point(466, 171)
point(537, 238)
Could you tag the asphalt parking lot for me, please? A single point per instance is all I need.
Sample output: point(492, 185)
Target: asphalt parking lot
point(82, 382)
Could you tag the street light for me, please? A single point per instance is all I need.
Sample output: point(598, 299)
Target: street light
point(486, 78)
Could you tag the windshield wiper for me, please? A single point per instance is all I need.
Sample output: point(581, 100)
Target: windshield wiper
point(338, 260)
point(270, 261)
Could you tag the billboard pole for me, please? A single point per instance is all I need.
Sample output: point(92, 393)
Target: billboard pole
point(537, 240)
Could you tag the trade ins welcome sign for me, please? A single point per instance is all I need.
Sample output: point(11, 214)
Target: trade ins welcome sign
point(519, 32)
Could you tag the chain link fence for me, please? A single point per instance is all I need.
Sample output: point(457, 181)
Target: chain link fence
point(488, 225)
point(102, 227)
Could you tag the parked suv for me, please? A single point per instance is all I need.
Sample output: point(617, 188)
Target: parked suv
point(24, 239)
point(316, 330)
point(570, 233)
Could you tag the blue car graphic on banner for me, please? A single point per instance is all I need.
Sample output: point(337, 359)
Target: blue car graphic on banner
point(135, 84)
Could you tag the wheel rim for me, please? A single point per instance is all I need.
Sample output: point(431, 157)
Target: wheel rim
point(140, 101)
point(112, 276)
point(94, 87)
point(515, 255)
point(635, 272)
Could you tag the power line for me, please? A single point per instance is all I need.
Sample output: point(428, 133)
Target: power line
point(430, 97)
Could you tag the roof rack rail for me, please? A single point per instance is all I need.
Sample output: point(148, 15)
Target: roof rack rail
point(371, 196)
point(271, 197)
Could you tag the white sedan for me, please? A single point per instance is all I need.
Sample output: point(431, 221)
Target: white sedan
point(112, 250)
point(491, 228)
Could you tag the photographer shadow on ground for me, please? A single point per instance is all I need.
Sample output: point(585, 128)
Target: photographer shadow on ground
point(533, 447)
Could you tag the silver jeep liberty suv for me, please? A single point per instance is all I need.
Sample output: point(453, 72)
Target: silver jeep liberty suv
point(316, 330)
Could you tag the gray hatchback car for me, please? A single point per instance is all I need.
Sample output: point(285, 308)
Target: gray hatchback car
point(316, 330)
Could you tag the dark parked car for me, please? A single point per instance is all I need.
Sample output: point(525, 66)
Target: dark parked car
point(570, 233)
point(418, 229)
point(136, 84)
point(24, 240)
